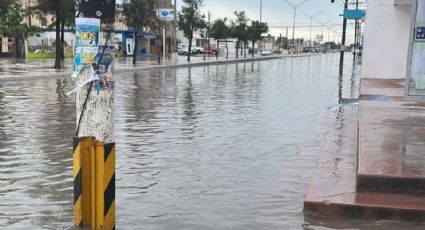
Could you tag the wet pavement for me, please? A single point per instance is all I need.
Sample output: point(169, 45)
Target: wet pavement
point(214, 147)
point(371, 166)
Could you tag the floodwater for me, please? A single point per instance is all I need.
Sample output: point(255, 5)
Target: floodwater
point(218, 147)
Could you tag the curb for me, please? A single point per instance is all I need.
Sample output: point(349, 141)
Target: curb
point(149, 67)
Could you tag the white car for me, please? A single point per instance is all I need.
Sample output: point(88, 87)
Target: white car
point(266, 52)
point(197, 50)
point(183, 50)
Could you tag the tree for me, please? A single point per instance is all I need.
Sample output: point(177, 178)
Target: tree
point(139, 14)
point(220, 30)
point(239, 28)
point(12, 25)
point(64, 13)
point(5, 6)
point(190, 19)
point(67, 19)
point(255, 32)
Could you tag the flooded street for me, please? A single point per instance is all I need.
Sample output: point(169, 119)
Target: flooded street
point(216, 147)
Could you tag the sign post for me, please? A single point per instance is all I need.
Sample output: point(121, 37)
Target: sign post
point(165, 15)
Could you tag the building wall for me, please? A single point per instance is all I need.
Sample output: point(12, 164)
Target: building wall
point(386, 39)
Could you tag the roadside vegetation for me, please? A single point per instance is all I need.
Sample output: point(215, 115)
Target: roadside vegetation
point(140, 15)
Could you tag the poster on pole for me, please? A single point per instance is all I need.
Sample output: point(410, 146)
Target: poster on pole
point(4, 45)
point(86, 41)
point(166, 14)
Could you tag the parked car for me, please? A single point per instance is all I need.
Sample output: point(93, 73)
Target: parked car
point(210, 49)
point(266, 52)
point(183, 50)
point(197, 50)
point(308, 49)
point(10, 42)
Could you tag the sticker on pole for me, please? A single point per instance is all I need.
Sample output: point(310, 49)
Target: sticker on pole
point(4, 45)
point(420, 33)
point(165, 14)
point(86, 41)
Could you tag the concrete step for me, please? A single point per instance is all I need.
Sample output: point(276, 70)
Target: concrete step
point(391, 147)
point(366, 205)
point(333, 189)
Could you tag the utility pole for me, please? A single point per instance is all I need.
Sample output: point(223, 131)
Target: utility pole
point(356, 32)
point(344, 29)
point(175, 25)
point(94, 147)
point(286, 42)
point(311, 23)
point(208, 35)
point(261, 10)
point(295, 13)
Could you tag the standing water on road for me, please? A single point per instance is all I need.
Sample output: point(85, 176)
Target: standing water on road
point(217, 147)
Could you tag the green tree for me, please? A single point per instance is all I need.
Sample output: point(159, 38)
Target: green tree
point(239, 29)
point(12, 25)
point(190, 19)
point(220, 31)
point(5, 6)
point(139, 14)
point(63, 11)
point(255, 31)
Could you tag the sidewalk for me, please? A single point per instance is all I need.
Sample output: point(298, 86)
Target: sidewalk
point(22, 69)
point(372, 166)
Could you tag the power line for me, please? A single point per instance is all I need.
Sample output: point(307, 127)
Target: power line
point(307, 26)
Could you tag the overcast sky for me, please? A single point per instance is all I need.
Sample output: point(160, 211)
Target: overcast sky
point(279, 15)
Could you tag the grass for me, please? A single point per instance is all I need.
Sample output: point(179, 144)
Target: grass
point(46, 55)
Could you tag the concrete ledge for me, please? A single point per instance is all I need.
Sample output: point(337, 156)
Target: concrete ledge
point(383, 183)
point(370, 206)
point(391, 140)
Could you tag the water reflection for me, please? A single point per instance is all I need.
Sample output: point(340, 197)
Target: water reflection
point(219, 147)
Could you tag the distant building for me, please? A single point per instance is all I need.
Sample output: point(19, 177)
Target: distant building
point(124, 37)
point(34, 19)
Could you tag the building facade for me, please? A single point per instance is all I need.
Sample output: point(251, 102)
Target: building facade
point(386, 38)
point(394, 42)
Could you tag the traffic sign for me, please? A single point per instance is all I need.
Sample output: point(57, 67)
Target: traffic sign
point(165, 14)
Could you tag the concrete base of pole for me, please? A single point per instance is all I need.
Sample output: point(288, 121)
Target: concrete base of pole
point(97, 120)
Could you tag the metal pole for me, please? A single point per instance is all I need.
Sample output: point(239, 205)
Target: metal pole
point(344, 28)
point(163, 42)
point(208, 35)
point(175, 25)
point(261, 10)
point(293, 27)
point(286, 42)
point(356, 31)
point(311, 26)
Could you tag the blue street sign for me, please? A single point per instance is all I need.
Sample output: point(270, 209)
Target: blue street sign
point(354, 14)
point(420, 33)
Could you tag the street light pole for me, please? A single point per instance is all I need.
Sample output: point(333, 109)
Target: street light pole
point(295, 12)
point(311, 23)
point(261, 10)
